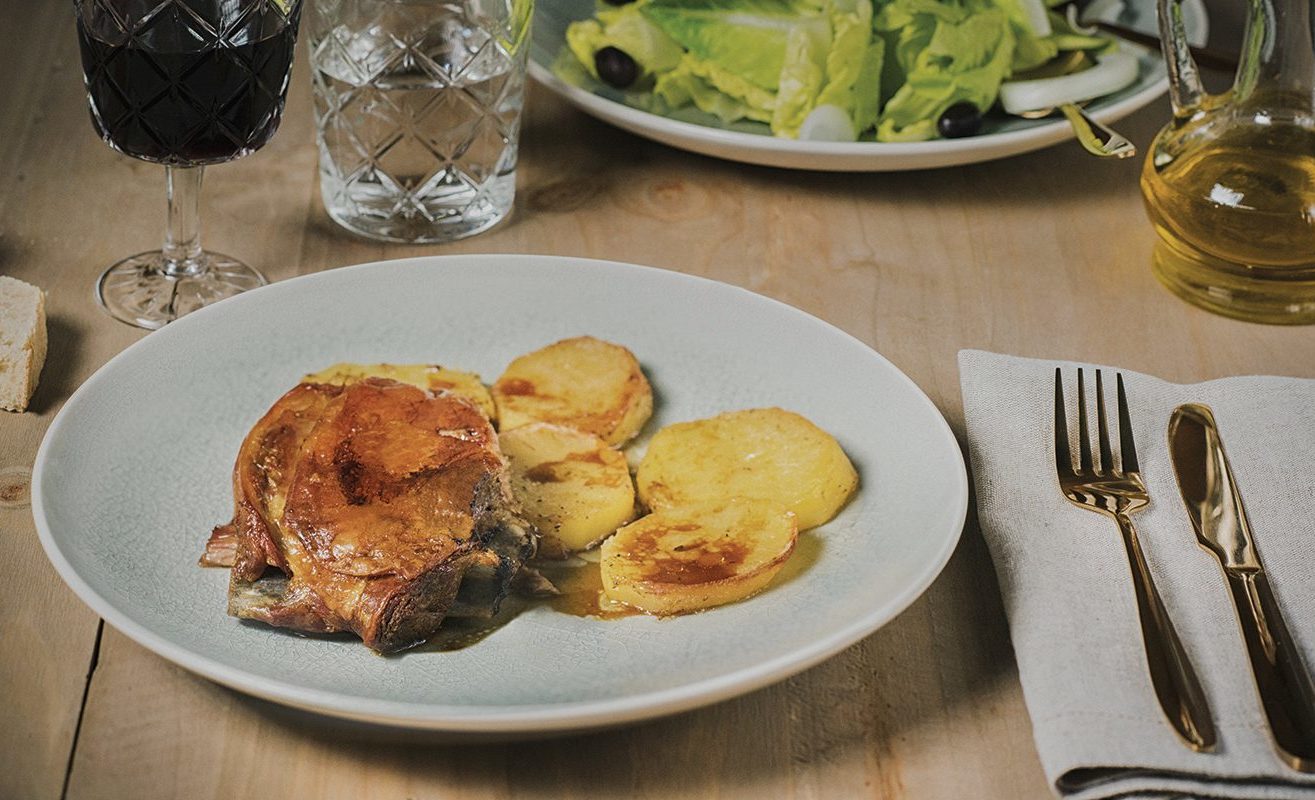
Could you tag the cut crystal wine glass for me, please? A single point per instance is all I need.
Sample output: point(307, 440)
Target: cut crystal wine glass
point(185, 84)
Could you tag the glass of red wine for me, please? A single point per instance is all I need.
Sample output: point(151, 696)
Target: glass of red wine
point(183, 83)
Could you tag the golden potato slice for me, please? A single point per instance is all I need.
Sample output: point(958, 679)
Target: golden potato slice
point(697, 556)
point(582, 383)
point(571, 485)
point(425, 376)
point(761, 453)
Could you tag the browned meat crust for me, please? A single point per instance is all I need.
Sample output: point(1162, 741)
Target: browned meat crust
point(376, 508)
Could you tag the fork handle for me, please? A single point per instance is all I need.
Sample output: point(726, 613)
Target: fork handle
point(1176, 685)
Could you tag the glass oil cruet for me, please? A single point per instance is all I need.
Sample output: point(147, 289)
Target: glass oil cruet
point(1229, 184)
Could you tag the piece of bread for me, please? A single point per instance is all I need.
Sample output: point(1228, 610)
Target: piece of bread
point(22, 341)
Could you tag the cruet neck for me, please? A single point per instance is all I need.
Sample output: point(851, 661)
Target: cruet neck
point(1278, 55)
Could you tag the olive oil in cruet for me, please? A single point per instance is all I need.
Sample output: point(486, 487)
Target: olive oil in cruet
point(1230, 184)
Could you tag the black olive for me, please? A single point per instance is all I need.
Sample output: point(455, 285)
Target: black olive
point(960, 119)
point(615, 67)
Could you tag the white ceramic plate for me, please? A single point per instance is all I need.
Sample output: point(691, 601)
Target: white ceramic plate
point(134, 472)
point(752, 143)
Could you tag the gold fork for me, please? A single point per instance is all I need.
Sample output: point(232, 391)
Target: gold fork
point(1094, 136)
point(1118, 491)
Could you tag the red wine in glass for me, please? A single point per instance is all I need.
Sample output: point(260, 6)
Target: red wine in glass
point(183, 83)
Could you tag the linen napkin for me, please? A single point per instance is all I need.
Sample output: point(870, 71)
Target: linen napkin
point(1067, 586)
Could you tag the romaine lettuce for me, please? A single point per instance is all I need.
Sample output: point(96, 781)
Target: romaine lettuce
point(801, 53)
point(834, 61)
point(713, 90)
point(853, 64)
point(628, 30)
point(892, 65)
point(802, 75)
point(744, 37)
point(947, 54)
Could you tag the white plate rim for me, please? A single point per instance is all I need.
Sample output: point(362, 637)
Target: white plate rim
point(494, 719)
point(753, 148)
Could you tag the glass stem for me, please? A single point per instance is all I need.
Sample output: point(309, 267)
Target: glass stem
point(182, 236)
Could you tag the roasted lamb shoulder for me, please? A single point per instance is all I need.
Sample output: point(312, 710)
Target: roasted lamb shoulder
point(376, 508)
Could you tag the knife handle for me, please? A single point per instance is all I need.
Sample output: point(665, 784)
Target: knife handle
point(1285, 688)
point(1172, 675)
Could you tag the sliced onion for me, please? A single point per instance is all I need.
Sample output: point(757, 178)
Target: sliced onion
point(1071, 14)
point(1037, 18)
point(1099, 11)
point(828, 123)
point(1111, 73)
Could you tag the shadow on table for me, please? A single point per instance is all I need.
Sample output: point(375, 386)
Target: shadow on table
point(1043, 178)
point(59, 376)
point(947, 658)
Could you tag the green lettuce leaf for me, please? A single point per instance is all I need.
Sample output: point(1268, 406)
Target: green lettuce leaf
point(773, 59)
point(833, 61)
point(627, 29)
point(868, 87)
point(1030, 22)
point(906, 28)
point(946, 54)
point(1031, 52)
point(713, 90)
point(853, 64)
point(802, 76)
point(893, 65)
point(744, 37)
point(584, 38)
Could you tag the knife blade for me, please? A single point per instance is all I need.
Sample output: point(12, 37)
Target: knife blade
point(1214, 505)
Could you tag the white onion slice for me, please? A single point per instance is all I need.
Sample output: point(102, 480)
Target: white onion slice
point(828, 123)
point(1100, 11)
point(1037, 18)
point(1071, 14)
point(1111, 73)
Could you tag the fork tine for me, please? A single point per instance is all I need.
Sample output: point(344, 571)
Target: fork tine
point(1084, 439)
point(1103, 430)
point(1127, 449)
point(1063, 458)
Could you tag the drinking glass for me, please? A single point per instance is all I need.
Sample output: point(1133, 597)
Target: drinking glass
point(183, 83)
point(417, 109)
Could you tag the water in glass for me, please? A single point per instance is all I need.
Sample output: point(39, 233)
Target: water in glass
point(418, 113)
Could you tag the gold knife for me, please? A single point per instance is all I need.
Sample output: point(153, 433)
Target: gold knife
point(1215, 507)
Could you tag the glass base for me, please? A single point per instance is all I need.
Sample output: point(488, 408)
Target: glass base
point(1272, 295)
point(148, 291)
point(432, 217)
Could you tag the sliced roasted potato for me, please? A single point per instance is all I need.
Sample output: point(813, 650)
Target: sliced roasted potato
point(697, 556)
point(582, 383)
point(761, 453)
point(571, 485)
point(425, 376)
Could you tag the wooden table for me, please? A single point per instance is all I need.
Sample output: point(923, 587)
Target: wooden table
point(1042, 255)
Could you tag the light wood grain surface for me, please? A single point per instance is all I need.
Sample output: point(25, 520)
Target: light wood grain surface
point(1043, 255)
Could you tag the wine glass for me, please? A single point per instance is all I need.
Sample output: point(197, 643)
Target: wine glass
point(183, 83)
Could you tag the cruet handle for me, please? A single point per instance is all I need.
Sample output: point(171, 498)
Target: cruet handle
point(1186, 93)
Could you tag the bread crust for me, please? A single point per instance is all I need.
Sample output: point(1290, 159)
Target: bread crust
point(27, 359)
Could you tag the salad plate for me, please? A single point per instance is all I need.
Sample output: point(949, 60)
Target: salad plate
point(752, 142)
point(135, 471)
